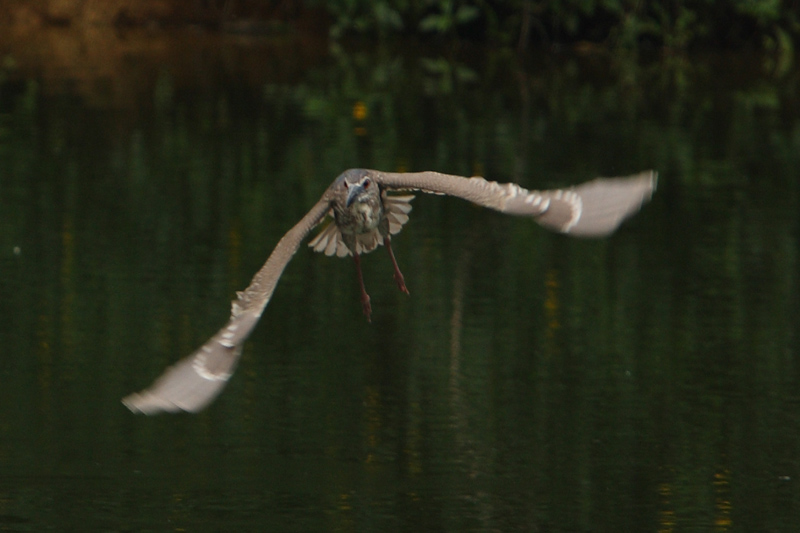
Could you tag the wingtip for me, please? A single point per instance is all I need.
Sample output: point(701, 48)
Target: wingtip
point(649, 180)
point(148, 404)
point(128, 402)
point(132, 402)
point(650, 177)
point(654, 178)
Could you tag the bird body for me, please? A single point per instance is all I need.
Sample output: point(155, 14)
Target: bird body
point(364, 216)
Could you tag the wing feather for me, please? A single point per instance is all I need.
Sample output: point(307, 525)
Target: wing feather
point(329, 240)
point(326, 240)
point(593, 209)
point(194, 381)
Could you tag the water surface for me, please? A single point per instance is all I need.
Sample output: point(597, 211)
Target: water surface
point(531, 382)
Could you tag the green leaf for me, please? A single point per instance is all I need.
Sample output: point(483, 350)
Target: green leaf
point(433, 23)
point(466, 14)
point(388, 17)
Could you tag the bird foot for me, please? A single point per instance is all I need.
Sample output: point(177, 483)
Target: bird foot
point(398, 276)
point(401, 282)
point(365, 305)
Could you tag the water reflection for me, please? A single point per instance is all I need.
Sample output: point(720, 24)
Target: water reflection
point(645, 382)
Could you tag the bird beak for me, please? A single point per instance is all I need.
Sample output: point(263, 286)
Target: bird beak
point(353, 193)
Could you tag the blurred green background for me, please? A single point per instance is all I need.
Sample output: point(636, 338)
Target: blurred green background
point(531, 382)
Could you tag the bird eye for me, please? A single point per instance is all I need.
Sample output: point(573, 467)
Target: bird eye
point(366, 183)
point(346, 185)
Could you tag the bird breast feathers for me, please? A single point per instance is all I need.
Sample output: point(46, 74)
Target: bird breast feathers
point(330, 242)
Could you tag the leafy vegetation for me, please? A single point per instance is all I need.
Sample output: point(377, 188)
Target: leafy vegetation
point(771, 25)
point(767, 24)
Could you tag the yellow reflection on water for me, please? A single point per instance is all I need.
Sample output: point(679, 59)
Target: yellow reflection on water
point(722, 501)
point(666, 516)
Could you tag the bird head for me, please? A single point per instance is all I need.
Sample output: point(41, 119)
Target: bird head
point(359, 186)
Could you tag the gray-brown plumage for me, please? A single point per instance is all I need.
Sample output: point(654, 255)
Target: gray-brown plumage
point(365, 216)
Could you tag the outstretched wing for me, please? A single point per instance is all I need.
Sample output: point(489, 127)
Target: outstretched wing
point(593, 209)
point(194, 381)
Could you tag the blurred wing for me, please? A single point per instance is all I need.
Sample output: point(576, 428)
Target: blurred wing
point(593, 209)
point(194, 381)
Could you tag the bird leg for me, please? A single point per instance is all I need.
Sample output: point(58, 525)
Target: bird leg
point(398, 276)
point(364, 296)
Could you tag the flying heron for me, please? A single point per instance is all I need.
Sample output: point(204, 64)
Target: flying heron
point(365, 216)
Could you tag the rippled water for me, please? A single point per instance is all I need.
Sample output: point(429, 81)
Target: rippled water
point(531, 382)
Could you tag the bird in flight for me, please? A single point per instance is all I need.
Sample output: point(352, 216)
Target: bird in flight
point(365, 215)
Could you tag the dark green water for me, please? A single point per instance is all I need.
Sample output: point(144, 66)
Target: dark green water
point(531, 382)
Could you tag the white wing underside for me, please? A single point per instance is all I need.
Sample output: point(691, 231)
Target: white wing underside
point(330, 242)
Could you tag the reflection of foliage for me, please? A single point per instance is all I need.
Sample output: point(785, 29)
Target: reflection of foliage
point(674, 339)
point(441, 75)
